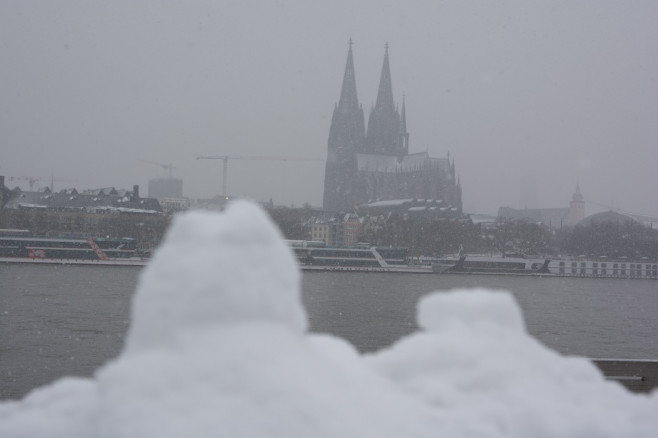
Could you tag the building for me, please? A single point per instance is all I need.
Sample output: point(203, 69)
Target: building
point(552, 217)
point(352, 229)
point(165, 188)
point(328, 230)
point(610, 217)
point(321, 232)
point(98, 212)
point(336, 229)
point(374, 164)
point(169, 193)
point(576, 208)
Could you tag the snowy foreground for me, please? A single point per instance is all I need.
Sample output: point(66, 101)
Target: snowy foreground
point(218, 346)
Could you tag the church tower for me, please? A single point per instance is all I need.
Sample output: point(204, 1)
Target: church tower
point(346, 138)
point(374, 164)
point(576, 208)
point(386, 133)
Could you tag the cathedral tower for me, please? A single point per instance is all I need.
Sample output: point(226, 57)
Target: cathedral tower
point(346, 137)
point(386, 133)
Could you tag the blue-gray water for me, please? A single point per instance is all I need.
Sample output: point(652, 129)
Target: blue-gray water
point(69, 320)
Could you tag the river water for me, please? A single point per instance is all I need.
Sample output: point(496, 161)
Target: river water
point(69, 320)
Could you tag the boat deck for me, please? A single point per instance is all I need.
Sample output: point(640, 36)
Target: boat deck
point(85, 262)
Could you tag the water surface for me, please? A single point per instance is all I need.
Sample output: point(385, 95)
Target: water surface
point(69, 320)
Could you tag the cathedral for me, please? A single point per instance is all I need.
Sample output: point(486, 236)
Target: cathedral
point(371, 164)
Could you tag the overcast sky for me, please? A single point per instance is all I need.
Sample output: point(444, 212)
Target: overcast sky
point(521, 93)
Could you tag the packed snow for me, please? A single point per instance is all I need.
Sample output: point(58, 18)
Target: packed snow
point(218, 346)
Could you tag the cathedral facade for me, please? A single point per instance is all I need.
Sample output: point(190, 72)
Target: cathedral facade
point(372, 163)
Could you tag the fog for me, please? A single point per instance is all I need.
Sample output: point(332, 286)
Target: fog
point(522, 94)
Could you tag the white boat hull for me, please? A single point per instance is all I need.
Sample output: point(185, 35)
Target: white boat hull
point(51, 261)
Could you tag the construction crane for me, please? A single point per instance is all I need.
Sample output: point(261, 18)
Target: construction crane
point(31, 180)
point(168, 168)
point(226, 158)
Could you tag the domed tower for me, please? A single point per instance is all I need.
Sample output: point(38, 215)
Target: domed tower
point(576, 208)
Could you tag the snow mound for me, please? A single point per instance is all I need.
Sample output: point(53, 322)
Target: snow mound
point(217, 269)
point(217, 347)
point(476, 360)
point(475, 307)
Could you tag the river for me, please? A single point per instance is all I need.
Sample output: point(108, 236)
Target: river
point(69, 320)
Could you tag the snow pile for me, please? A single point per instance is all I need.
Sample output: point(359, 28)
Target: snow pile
point(218, 347)
point(215, 270)
point(474, 360)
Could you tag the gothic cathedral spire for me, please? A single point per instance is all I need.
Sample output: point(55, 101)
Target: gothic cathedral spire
point(348, 96)
point(385, 93)
point(347, 129)
point(385, 133)
point(346, 138)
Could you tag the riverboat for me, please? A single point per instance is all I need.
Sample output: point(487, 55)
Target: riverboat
point(20, 246)
point(604, 267)
point(317, 256)
point(504, 264)
point(517, 264)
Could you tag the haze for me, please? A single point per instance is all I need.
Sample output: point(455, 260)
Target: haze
point(521, 93)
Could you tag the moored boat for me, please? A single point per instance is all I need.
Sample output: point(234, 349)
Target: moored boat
point(317, 256)
point(503, 264)
point(20, 246)
point(563, 267)
point(604, 267)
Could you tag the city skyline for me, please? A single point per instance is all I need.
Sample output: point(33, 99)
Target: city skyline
point(560, 94)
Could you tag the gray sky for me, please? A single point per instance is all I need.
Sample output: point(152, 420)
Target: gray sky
point(522, 93)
